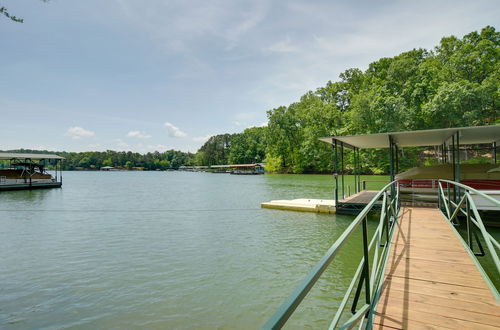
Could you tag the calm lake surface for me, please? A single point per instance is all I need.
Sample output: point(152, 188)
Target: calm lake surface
point(167, 250)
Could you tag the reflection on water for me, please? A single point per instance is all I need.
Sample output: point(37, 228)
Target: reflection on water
point(33, 197)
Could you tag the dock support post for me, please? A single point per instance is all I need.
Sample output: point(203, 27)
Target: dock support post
point(391, 154)
point(458, 163)
point(30, 172)
point(396, 150)
point(495, 152)
point(354, 169)
point(453, 156)
point(336, 174)
point(359, 170)
point(342, 167)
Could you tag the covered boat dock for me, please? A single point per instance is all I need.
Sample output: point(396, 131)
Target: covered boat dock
point(447, 140)
point(23, 171)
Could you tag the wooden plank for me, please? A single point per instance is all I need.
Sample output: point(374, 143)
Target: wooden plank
point(431, 243)
point(476, 306)
point(363, 197)
point(449, 279)
point(431, 281)
point(425, 264)
point(429, 253)
point(410, 324)
point(441, 289)
point(396, 316)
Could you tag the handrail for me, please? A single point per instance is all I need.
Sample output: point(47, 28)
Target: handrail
point(372, 282)
point(453, 208)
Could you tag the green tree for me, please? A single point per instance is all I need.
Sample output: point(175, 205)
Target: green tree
point(5, 12)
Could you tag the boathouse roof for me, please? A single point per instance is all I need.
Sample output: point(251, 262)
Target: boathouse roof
point(420, 138)
point(14, 155)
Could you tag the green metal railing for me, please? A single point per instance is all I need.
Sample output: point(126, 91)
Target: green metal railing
point(368, 275)
point(458, 201)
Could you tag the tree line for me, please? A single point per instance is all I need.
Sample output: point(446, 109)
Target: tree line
point(455, 84)
point(170, 159)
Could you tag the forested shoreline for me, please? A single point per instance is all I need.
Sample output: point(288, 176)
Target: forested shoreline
point(127, 160)
point(456, 84)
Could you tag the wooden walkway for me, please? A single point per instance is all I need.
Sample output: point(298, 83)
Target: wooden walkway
point(431, 281)
point(363, 197)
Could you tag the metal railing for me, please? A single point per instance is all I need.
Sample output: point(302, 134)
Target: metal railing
point(458, 201)
point(368, 274)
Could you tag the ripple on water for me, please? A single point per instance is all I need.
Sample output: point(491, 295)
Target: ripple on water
point(112, 250)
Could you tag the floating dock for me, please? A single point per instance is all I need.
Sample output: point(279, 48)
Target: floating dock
point(349, 205)
point(432, 281)
point(356, 202)
point(303, 205)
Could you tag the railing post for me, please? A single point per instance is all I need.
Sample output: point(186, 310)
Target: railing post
point(449, 196)
point(439, 197)
point(467, 205)
point(367, 262)
point(387, 217)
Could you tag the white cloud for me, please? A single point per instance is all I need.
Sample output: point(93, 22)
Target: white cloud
point(174, 131)
point(283, 46)
point(201, 138)
point(138, 134)
point(38, 147)
point(77, 132)
point(197, 20)
point(121, 144)
point(95, 147)
point(158, 147)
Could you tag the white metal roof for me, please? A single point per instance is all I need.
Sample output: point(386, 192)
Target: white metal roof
point(13, 155)
point(421, 138)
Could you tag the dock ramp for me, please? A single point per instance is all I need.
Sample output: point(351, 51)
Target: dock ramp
point(416, 270)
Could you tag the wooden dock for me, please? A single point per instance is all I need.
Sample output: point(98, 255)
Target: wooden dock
point(355, 203)
point(363, 197)
point(431, 281)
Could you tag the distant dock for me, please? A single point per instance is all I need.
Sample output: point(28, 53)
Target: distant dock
point(29, 171)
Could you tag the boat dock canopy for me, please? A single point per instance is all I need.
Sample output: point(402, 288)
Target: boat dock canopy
point(421, 138)
point(13, 155)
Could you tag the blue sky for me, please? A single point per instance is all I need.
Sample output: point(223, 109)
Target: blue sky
point(156, 75)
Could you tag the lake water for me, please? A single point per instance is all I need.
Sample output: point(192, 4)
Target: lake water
point(166, 250)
